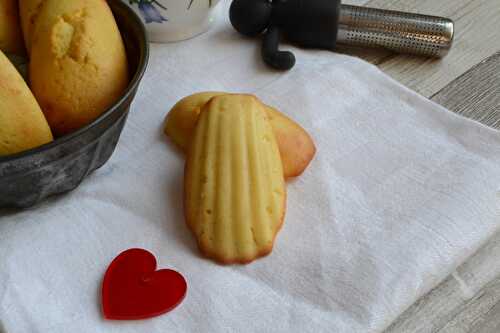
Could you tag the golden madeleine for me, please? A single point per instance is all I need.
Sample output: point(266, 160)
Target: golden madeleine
point(181, 119)
point(235, 193)
point(22, 123)
point(296, 146)
point(78, 65)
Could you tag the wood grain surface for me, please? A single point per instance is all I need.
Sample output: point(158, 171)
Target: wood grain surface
point(476, 94)
point(467, 81)
point(477, 36)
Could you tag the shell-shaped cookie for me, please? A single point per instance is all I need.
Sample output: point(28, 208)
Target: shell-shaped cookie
point(234, 186)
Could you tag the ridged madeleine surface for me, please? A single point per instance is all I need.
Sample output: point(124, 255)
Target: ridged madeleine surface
point(296, 146)
point(234, 186)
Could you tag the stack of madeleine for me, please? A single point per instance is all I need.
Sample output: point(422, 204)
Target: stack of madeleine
point(77, 70)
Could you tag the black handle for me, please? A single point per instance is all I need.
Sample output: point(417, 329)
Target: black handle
point(282, 60)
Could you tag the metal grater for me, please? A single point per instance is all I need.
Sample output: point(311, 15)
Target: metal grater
point(396, 31)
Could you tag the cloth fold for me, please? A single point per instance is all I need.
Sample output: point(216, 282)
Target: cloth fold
point(401, 192)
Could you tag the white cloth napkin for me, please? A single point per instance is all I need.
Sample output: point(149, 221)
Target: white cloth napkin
point(401, 191)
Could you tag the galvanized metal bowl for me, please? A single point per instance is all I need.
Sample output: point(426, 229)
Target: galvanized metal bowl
point(60, 166)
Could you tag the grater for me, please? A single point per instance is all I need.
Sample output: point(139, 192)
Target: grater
point(326, 23)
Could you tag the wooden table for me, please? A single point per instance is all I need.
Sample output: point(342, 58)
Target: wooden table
point(467, 82)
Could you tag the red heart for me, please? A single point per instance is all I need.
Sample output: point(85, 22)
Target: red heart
point(133, 289)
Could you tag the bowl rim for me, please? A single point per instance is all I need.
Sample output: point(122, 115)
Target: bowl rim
point(132, 86)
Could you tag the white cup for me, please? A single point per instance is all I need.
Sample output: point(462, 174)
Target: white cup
point(173, 20)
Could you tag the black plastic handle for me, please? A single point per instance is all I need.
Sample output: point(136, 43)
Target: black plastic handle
point(282, 60)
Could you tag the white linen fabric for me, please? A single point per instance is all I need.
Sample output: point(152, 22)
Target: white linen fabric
point(401, 191)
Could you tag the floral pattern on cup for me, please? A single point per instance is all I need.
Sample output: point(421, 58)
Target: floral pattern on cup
point(150, 9)
point(183, 19)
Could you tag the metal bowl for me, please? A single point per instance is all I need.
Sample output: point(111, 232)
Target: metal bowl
point(60, 166)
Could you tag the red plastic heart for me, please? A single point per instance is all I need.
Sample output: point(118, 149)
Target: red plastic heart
point(133, 289)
